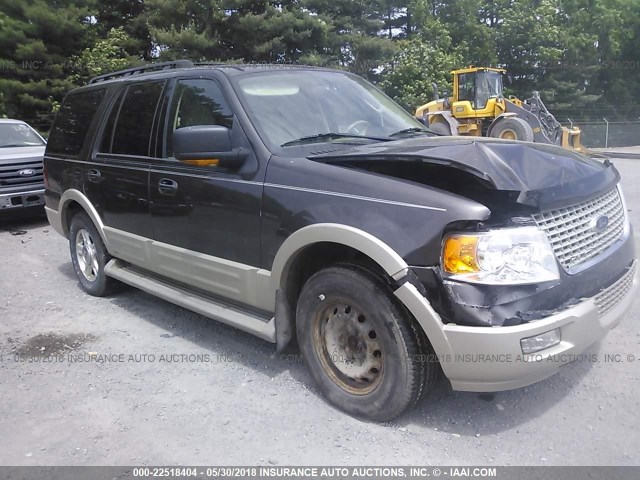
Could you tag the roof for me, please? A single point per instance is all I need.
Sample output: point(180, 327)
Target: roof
point(11, 120)
point(258, 67)
point(478, 69)
point(186, 65)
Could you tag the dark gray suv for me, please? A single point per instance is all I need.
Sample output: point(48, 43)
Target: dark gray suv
point(295, 202)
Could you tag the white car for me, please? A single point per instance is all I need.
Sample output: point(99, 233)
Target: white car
point(21, 175)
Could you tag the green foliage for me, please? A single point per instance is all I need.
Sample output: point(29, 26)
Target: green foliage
point(582, 55)
point(408, 78)
point(38, 40)
point(105, 56)
point(185, 28)
point(529, 42)
point(279, 35)
point(469, 24)
point(130, 17)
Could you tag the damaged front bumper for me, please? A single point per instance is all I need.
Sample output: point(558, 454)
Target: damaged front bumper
point(491, 358)
point(506, 305)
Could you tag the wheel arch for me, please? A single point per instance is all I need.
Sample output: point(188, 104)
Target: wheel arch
point(382, 256)
point(72, 200)
point(359, 240)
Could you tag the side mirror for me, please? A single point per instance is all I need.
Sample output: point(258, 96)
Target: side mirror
point(207, 145)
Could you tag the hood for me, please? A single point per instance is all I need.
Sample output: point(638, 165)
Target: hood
point(19, 154)
point(545, 176)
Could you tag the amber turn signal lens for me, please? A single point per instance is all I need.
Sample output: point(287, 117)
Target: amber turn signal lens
point(459, 254)
point(212, 162)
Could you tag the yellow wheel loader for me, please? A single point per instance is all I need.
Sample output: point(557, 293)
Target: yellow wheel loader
point(478, 108)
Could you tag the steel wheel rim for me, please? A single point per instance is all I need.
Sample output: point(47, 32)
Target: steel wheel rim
point(508, 135)
point(348, 346)
point(86, 255)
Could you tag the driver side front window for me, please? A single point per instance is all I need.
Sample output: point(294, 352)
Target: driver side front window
point(197, 102)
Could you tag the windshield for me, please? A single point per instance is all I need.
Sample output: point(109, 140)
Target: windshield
point(18, 135)
point(286, 106)
point(488, 84)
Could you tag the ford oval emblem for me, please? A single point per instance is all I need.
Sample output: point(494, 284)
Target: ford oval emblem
point(599, 224)
point(27, 172)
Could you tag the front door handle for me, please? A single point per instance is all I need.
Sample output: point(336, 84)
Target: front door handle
point(166, 186)
point(94, 175)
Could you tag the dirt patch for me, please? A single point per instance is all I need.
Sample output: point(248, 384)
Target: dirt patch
point(52, 344)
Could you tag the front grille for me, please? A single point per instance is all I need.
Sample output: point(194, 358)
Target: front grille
point(9, 176)
point(571, 230)
point(610, 296)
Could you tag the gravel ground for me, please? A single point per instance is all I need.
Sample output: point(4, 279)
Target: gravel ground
point(227, 398)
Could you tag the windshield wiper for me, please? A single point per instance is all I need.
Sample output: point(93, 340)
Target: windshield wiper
point(330, 136)
point(412, 130)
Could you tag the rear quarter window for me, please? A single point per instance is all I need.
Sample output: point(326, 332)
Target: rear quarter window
point(72, 123)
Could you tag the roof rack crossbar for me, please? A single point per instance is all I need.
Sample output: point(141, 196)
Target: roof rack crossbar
point(142, 69)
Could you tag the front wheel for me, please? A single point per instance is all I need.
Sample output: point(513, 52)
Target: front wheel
point(364, 351)
point(513, 128)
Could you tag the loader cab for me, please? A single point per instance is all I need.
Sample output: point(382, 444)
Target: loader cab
point(476, 91)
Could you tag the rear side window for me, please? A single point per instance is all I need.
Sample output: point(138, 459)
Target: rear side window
point(70, 128)
point(128, 130)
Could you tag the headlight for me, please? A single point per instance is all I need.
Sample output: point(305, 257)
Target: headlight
point(508, 256)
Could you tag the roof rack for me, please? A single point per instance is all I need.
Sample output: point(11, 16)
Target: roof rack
point(142, 69)
point(208, 64)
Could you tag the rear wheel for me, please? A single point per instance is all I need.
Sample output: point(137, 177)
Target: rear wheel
point(363, 349)
point(513, 128)
point(89, 257)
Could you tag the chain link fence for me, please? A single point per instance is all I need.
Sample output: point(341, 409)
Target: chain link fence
point(608, 134)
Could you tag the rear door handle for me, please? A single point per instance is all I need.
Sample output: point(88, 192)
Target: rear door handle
point(166, 186)
point(94, 175)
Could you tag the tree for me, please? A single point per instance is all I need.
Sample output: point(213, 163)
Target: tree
point(38, 39)
point(248, 30)
point(586, 82)
point(408, 78)
point(186, 28)
point(580, 54)
point(130, 17)
point(280, 32)
point(472, 25)
point(355, 39)
point(105, 56)
point(529, 43)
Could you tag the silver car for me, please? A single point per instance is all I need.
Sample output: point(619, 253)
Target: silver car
point(21, 173)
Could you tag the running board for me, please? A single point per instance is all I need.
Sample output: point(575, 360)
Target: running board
point(261, 327)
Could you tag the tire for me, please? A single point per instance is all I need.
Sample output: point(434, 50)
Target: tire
point(440, 128)
point(512, 128)
point(89, 262)
point(363, 349)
